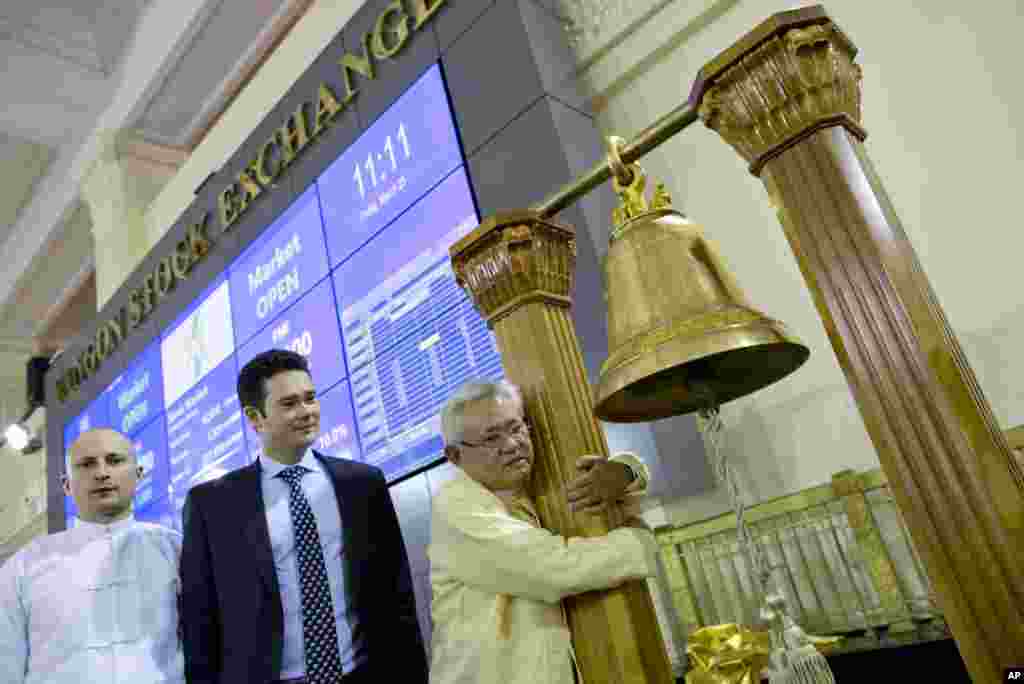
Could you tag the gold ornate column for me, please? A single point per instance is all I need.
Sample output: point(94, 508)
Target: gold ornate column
point(519, 270)
point(787, 98)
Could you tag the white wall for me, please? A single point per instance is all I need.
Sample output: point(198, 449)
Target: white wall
point(23, 509)
point(941, 97)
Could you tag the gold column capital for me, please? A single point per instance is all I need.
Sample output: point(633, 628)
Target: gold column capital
point(789, 77)
point(518, 269)
point(514, 258)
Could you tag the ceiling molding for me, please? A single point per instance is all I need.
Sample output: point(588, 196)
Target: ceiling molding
point(260, 51)
point(62, 47)
point(49, 337)
point(162, 35)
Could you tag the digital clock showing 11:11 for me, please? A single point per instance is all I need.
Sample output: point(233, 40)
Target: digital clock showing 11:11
point(399, 158)
point(372, 178)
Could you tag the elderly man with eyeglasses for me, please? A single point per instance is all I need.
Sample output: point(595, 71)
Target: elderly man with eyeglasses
point(497, 576)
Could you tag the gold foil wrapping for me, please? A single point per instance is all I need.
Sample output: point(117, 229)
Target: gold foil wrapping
point(726, 654)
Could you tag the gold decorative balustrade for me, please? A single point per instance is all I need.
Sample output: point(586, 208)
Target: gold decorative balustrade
point(840, 553)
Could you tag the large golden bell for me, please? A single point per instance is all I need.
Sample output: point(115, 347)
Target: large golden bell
point(681, 334)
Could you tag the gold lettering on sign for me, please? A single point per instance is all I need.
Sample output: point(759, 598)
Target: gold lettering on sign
point(264, 166)
point(327, 107)
point(148, 294)
point(423, 10)
point(116, 328)
point(350, 63)
point(293, 136)
point(198, 240)
point(181, 260)
point(164, 277)
point(250, 189)
point(135, 312)
point(75, 378)
point(228, 203)
point(400, 31)
point(88, 360)
point(104, 343)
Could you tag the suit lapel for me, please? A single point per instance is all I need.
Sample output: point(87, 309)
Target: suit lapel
point(256, 531)
point(348, 509)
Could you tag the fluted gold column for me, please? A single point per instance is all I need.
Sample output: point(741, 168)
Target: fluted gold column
point(787, 98)
point(519, 270)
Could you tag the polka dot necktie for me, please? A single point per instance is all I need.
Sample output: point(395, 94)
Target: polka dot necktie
point(319, 633)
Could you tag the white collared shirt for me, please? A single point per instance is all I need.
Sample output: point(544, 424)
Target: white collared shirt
point(319, 491)
point(96, 603)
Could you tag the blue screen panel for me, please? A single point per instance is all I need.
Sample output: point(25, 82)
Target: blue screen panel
point(396, 161)
point(160, 513)
point(309, 327)
point(137, 395)
point(70, 512)
point(199, 340)
point(279, 266)
point(151, 451)
point(204, 430)
point(405, 279)
point(411, 335)
point(337, 425)
point(95, 415)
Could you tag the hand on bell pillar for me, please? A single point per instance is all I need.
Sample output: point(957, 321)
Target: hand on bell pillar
point(599, 484)
point(636, 522)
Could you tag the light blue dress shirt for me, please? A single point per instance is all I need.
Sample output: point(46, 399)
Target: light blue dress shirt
point(320, 493)
point(96, 603)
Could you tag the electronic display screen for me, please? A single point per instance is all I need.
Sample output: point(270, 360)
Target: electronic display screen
point(204, 428)
point(151, 452)
point(399, 158)
point(279, 267)
point(309, 327)
point(198, 341)
point(411, 338)
point(136, 397)
point(160, 513)
point(355, 276)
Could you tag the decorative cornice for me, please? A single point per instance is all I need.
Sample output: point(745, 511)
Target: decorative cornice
point(515, 258)
point(784, 89)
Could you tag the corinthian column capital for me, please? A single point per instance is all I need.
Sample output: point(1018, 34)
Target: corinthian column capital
point(515, 258)
point(791, 77)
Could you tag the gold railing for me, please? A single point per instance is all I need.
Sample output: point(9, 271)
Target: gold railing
point(840, 553)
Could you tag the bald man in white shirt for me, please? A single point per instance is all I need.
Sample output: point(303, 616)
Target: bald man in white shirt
point(99, 602)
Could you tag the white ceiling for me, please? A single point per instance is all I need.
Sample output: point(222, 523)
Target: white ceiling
point(72, 71)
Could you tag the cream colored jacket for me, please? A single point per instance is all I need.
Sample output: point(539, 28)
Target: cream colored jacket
point(498, 580)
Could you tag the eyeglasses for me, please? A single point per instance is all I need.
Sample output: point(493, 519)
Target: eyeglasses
point(519, 432)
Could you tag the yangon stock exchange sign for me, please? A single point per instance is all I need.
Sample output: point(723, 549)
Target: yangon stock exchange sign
point(391, 32)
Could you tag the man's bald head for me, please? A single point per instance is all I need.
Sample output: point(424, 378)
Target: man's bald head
point(100, 440)
point(102, 473)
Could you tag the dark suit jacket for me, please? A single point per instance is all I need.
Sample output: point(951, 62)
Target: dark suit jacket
point(231, 614)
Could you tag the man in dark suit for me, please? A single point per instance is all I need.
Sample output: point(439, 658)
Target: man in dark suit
point(293, 568)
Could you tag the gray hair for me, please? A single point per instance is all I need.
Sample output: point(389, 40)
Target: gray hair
point(471, 392)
